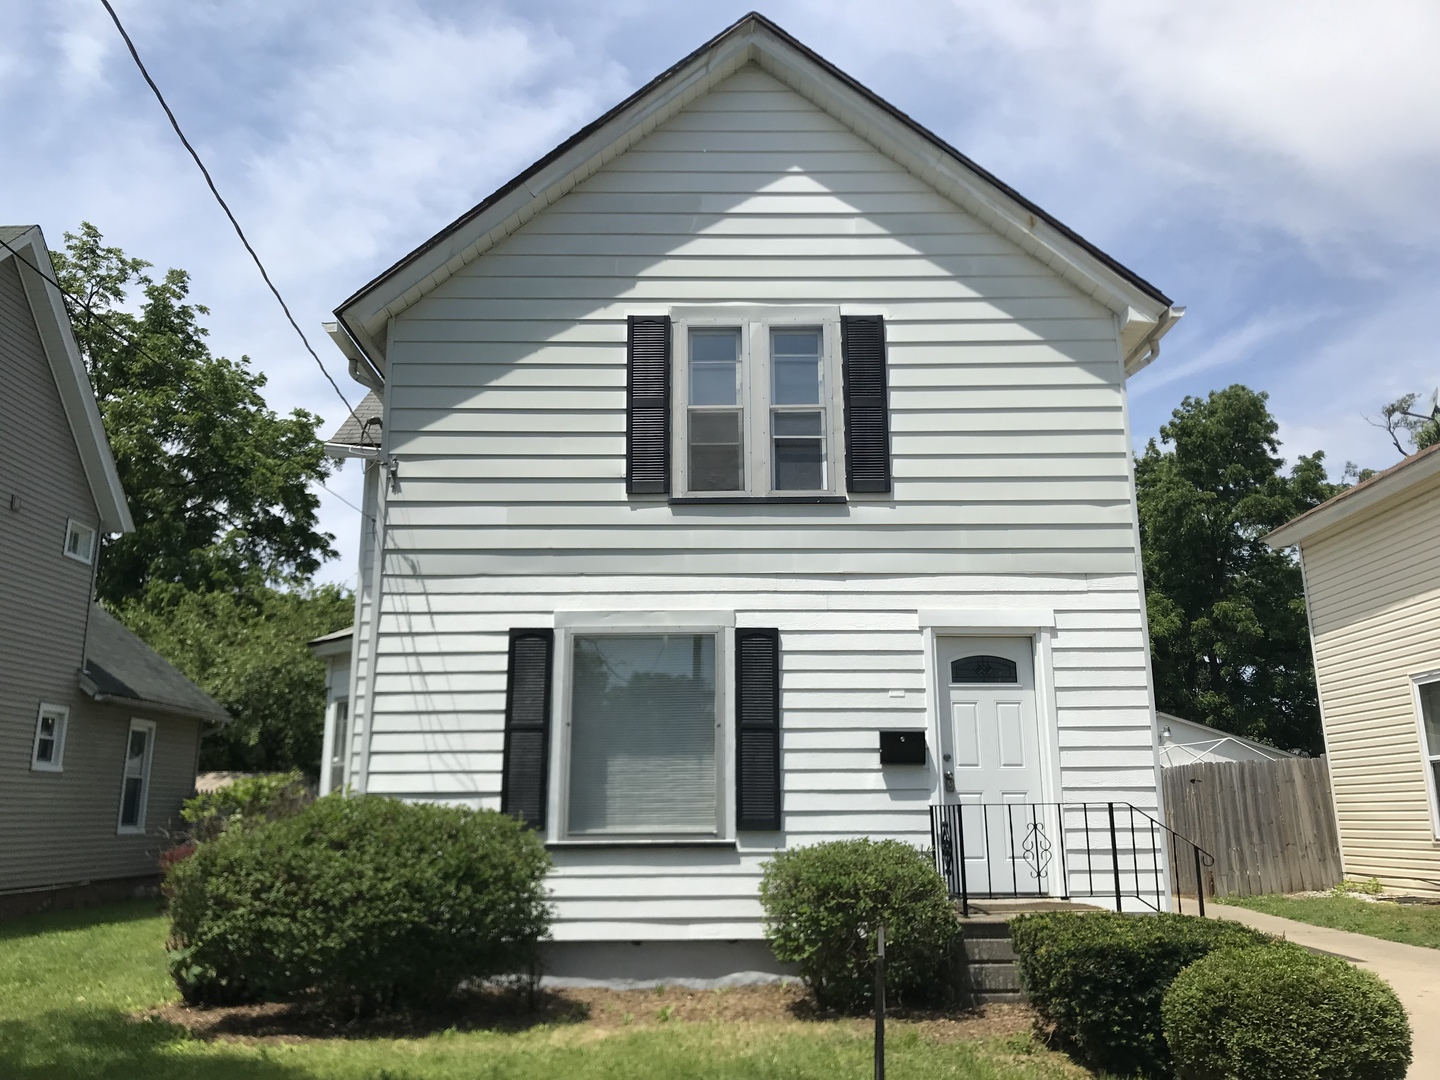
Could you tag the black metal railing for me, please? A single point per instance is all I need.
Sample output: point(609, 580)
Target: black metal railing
point(1065, 851)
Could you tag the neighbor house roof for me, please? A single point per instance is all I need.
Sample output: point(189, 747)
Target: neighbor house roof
point(121, 668)
point(335, 644)
point(26, 245)
point(1145, 312)
point(1414, 470)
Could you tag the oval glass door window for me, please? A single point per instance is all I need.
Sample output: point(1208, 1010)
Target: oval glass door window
point(983, 669)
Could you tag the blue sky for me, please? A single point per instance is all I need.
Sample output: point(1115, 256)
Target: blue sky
point(1274, 166)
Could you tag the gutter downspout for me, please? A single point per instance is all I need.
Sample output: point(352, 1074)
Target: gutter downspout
point(1173, 314)
point(371, 374)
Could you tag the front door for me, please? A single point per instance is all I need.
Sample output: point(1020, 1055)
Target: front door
point(992, 770)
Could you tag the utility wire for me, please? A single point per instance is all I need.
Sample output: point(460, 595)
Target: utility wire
point(224, 206)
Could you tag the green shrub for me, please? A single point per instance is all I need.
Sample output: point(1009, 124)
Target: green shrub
point(1370, 887)
point(247, 800)
point(358, 903)
point(1099, 977)
point(1279, 1012)
point(823, 903)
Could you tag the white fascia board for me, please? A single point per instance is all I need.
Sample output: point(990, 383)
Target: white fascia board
point(368, 315)
point(57, 337)
point(919, 156)
point(1344, 508)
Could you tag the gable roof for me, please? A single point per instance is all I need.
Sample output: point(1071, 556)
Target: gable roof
point(1413, 470)
point(1146, 312)
point(26, 245)
point(119, 667)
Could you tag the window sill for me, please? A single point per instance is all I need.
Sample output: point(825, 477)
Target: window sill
point(745, 500)
point(648, 842)
point(130, 830)
point(36, 767)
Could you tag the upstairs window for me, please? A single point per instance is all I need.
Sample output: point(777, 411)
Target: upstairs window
point(79, 542)
point(762, 409)
point(48, 752)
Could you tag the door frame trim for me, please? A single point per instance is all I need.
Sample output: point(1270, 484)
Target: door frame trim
point(995, 624)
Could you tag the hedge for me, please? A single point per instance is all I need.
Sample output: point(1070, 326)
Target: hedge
point(1279, 1012)
point(822, 905)
point(1099, 978)
point(357, 903)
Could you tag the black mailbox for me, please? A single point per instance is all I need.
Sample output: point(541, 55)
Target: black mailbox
point(902, 747)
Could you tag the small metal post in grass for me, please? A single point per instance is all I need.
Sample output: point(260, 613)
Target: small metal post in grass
point(880, 1003)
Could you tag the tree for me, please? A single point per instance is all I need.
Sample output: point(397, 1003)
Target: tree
point(1402, 422)
point(218, 484)
point(249, 654)
point(1229, 637)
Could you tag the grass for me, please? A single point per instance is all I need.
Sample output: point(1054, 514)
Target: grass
point(71, 984)
point(1410, 924)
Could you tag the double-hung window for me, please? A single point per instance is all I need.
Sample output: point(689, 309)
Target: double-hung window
point(645, 735)
point(1427, 700)
point(135, 778)
point(339, 745)
point(761, 405)
point(48, 752)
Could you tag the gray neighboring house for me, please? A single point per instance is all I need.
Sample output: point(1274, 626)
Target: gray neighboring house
point(99, 736)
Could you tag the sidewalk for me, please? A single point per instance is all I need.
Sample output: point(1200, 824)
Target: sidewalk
point(1413, 972)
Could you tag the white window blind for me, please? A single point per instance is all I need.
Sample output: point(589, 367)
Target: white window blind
point(643, 734)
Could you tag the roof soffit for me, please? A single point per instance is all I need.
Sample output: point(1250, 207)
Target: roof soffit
point(1141, 311)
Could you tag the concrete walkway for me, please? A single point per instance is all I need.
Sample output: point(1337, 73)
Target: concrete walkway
point(1414, 973)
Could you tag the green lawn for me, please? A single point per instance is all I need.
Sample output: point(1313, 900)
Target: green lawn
point(1412, 924)
point(70, 985)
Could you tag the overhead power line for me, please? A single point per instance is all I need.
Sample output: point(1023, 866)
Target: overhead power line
point(174, 123)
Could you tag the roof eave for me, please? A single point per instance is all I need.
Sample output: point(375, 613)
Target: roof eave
point(754, 38)
point(93, 691)
point(1355, 501)
point(77, 397)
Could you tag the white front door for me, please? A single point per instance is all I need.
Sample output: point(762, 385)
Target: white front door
point(992, 767)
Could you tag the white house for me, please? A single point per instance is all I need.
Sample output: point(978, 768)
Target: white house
point(752, 471)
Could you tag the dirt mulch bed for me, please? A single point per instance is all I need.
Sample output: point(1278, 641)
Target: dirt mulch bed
point(590, 1008)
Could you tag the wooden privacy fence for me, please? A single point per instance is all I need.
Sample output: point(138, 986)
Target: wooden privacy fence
point(1269, 824)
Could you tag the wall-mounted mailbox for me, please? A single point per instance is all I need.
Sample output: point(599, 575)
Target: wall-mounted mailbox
point(902, 747)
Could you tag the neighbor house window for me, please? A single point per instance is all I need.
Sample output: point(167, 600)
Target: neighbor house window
point(135, 779)
point(761, 414)
point(338, 746)
point(48, 753)
point(79, 542)
point(1428, 695)
point(645, 731)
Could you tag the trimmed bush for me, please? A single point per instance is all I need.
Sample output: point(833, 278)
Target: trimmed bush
point(358, 904)
point(823, 903)
point(247, 800)
point(1099, 978)
point(1279, 1012)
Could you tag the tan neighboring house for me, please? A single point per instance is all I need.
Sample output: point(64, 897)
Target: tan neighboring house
point(99, 736)
point(1371, 559)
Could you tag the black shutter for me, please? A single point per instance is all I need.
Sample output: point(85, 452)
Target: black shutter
point(523, 790)
point(757, 729)
point(647, 405)
point(867, 406)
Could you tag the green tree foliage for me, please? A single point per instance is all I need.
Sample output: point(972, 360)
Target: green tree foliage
point(249, 653)
point(1411, 430)
point(218, 484)
point(1228, 631)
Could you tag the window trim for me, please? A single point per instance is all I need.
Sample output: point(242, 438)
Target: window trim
point(755, 325)
point(72, 528)
point(339, 742)
point(148, 726)
point(1428, 760)
point(62, 729)
point(633, 624)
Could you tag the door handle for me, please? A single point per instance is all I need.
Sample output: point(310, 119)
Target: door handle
point(950, 781)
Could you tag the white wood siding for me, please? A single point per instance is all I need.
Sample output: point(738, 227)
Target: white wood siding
point(506, 414)
point(1374, 593)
